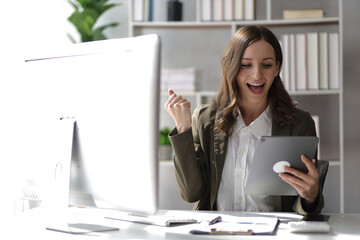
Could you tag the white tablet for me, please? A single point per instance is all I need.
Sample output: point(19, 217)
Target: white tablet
point(271, 154)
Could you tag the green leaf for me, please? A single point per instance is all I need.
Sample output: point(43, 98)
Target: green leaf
point(101, 28)
point(71, 38)
point(98, 35)
point(87, 3)
point(98, 32)
point(84, 23)
point(164, 136)
point(84, 19)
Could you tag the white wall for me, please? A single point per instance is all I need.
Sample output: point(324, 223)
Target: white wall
point(10, 52)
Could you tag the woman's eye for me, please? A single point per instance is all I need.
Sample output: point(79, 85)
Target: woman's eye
point(268, 65)
point(245, 65)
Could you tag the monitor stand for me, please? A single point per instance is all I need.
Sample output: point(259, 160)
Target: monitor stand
point(57, 202)
point(80, 228)
point(58, 195)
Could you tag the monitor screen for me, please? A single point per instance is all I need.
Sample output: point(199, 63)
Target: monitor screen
point(109, 92)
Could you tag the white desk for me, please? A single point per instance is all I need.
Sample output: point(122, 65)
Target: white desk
point(31, 225)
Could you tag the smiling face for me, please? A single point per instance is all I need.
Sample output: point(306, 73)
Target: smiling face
point(258, 69)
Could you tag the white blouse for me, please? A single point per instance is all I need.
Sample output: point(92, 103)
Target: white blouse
point(238, 159)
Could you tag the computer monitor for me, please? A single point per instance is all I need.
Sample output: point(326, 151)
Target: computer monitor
point(109, 91)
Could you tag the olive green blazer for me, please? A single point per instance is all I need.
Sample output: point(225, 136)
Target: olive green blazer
point(200, 155)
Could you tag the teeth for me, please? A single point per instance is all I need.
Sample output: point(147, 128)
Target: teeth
point(255, 84)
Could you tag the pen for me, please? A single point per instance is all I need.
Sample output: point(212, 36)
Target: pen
point(215, 220)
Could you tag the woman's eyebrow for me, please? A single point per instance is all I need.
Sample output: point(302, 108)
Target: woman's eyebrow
point(266, 58)
point(269, 58)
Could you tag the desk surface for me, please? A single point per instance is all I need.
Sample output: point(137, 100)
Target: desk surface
point(32, 224)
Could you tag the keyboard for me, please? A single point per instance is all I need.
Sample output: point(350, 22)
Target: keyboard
point(154, 219)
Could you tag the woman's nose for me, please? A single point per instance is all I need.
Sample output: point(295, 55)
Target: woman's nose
point(257, 72)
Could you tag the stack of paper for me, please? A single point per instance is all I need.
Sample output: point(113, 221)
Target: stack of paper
point(178, 79)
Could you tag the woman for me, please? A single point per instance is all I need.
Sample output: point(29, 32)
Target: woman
point(214, 148)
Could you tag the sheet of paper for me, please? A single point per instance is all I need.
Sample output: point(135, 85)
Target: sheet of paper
point(238, 225)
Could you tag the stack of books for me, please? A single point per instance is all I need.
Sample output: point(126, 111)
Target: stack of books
point(311, 61)
point(178, 79)
point(143, 10)
point(227, 10)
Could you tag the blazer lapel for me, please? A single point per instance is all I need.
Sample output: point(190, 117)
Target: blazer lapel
point(220, 146)
point(278, 130)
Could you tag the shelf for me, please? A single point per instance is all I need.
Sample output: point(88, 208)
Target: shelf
point(182, 24)
point(192, 93)
point(334, 163)
point(292, 93)
point(315, 92)
point(228, 24)
point(166, 162)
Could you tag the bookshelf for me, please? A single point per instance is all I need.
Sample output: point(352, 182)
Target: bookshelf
point(207, 39)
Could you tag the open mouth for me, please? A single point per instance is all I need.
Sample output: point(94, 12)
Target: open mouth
point(256, 88)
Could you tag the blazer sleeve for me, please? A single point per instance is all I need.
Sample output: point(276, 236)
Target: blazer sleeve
point(191, 166)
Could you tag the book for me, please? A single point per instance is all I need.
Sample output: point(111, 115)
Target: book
point(206, 9)
point(178, 86)
point(301, 65)
point(323, 60)
point(249, 9)
point(312, 40)
point(303, 13)
point(138, 10)
point(239, 9)
point(151, 11)
point(286, 61)
point(317, 128)
point(228, 10)
point(146, 10)
point(180, 75)
point(281, 73)
point(292, 66)
point(333, 60)
point(218, 10)
point(180, 79)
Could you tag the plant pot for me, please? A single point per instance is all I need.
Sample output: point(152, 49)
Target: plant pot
point(165, 152)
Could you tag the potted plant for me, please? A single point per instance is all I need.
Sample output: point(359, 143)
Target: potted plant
point(165, 149)
point(86, 15)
